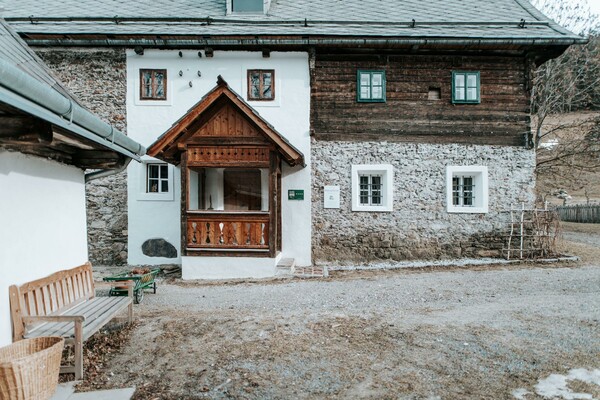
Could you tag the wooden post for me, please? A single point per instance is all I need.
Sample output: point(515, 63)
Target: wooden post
point(274, 162)
point(184, 202)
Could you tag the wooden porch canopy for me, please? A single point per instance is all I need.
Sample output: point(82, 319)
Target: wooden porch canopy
point(219, 113)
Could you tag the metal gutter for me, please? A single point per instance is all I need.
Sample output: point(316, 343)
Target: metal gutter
point(299, 42)
point(36, 110)
point(62, 111)
point(91, 176)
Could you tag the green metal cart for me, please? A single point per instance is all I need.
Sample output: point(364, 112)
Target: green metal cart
point(142, 282)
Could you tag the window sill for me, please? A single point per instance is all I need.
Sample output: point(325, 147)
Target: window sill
point(156, 196)
point(467, 210)
point(372, 208)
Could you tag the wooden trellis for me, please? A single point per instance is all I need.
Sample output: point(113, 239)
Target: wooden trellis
point(532, 233)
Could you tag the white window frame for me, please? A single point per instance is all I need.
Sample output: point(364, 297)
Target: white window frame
point(479, 173)
point(386, 171)
point(143, 193)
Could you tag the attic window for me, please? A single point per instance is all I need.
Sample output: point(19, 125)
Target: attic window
point(261, 84)
point(153, 84)
point(252, 6)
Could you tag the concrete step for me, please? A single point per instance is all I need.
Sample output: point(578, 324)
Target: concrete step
point(66, 391)
point(285, 267)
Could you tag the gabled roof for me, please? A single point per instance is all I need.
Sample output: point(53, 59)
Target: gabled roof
point(37, 103)
point(166, 146)
point(502, 21)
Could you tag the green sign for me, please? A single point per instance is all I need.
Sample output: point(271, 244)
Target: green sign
point(295, 194)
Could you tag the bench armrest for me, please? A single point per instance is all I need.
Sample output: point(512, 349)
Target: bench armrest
point(53, 318)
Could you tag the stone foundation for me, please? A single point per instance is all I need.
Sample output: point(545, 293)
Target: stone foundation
point(98, 79)
point(419, 227)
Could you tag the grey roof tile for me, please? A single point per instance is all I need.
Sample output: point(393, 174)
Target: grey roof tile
point(434, 18)
point(16, 52)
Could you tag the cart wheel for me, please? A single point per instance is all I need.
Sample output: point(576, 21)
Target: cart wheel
point(138, 296)
point(154, 287)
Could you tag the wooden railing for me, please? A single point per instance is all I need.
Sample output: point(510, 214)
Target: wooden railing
point(228, 231)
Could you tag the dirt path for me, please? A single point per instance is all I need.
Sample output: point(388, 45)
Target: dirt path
point(460, 334)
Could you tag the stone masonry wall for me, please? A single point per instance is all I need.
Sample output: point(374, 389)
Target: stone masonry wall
point(98, 79)
point(419, 227)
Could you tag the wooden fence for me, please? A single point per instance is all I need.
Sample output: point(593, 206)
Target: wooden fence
point(580, 213)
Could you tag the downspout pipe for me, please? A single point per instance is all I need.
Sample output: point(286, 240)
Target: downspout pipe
point(20, 82)
point(106, 172)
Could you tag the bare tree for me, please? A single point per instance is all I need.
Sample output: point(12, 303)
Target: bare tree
point(568, 147)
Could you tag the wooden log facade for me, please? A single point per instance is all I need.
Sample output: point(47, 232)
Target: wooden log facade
point(408, 114)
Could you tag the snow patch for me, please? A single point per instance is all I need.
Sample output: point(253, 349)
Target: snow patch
point(520, 394)
point(555, 385)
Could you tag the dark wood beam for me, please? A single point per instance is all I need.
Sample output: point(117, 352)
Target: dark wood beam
point(101, 159)
point(24, 129)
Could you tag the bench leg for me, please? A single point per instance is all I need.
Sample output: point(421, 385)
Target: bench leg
point(130, 311)
point(78, 350)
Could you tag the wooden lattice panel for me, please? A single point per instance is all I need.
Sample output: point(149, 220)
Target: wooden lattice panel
point(228, 156)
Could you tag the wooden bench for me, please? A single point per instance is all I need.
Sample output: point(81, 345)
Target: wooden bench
point(64, 304)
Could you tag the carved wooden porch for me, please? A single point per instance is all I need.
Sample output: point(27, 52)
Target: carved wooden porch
point(230, 161)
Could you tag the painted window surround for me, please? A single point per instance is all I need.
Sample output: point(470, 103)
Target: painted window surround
point(143, 194)
point(481, 189)
point(387, 173)
point(465, 89)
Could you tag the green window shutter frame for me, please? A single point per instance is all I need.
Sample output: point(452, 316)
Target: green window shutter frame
point(465, 87)
point(375, 87)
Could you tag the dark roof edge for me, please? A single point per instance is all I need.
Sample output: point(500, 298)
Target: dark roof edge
point(272, 41)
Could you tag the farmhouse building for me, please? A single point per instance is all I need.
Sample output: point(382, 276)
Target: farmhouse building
point(47, 140)
point(319, 131)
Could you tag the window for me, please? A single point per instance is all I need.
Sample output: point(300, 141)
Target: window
point(370, 190)
point(467, 189)
point(462, 191)
point(261, 84)
point(228, 189)
point(247, 6)
point(465, 87)
point(372, 187)
point(371, 86)
point(157, 178)
point(153, 84)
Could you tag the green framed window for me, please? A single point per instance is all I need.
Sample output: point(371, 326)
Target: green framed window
point(465, 87)
point(370, 86)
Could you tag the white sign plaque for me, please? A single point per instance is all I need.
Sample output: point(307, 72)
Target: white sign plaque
point(332, 197)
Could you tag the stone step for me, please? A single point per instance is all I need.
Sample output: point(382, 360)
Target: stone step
point(286, 263)
point(285, 267)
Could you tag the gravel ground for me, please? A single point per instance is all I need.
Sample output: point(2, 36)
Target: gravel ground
point(416, 334)
point(528, 331)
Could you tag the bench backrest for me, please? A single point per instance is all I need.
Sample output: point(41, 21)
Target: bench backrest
point(49, 295)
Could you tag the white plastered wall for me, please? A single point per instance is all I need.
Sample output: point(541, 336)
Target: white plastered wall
point(42, 224)
point(289, 113)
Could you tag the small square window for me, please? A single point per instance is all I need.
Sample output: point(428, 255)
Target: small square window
point(153, 84)
point(467, 189)
point(261, 84)
point(465, 87)
point(371, 86)
point(372, 187)
point(157, 178)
